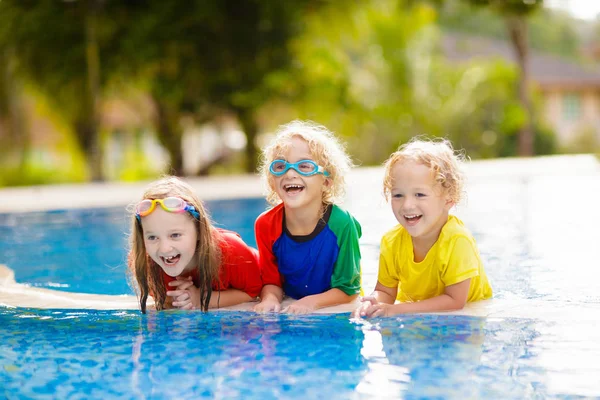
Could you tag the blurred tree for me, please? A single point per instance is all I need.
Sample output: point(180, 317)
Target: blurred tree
point(201, 57)
point(377, 76)
point(515, 13)
point(354, 74)
point(13, 137)
point(59, 47)
point(549, 31)
point(14, 141)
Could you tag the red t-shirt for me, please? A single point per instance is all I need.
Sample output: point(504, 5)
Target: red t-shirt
point(239, 266)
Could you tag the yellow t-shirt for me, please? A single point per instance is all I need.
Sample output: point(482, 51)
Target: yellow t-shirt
point(452, 259)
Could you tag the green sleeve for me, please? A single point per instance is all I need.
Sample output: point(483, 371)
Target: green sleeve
point(346, 271)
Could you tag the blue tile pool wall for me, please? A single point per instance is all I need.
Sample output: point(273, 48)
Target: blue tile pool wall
point(82, 354)
point(85, 250)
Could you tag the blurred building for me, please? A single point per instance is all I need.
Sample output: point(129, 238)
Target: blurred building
point(571, 91)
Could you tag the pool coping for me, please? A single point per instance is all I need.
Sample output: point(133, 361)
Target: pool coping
point(16, 295)
point(94, 195)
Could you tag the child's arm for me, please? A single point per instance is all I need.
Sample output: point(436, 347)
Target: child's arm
point(186, 296)
point(271, 297)
point(307, 304)
point(268, 226)
point(454, 298)
point(226, 298)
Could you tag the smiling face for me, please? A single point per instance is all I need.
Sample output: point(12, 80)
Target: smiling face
point(419, 203)
point(170, 240)
point(294, 189)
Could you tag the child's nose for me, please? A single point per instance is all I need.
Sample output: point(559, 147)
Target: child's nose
point(165, 246)
point(408, 203)
point(292, 171)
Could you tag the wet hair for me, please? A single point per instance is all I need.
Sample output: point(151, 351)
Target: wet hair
point(147, 272)
point(325, 149)
point(439, 156)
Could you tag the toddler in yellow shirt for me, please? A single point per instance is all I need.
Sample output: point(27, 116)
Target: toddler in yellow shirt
point(429, 262)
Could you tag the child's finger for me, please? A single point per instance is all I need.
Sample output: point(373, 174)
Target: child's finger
point(370, 311)
point(181, 284)
point(175, 293)
point(380, 312)
point(179, 304)
point(369, 299)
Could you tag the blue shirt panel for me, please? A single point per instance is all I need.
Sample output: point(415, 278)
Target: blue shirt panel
point(306, 266)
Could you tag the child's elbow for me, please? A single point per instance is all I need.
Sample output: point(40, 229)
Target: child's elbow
point(352, 297)
point(459, 304)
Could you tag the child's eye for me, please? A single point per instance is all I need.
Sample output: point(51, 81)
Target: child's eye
point(279, 166)
point(175, 235)
point(150, 238)
point(421, 195)
point(305, 166)
point(396, 195)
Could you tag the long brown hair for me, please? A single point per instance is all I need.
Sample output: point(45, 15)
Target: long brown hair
point(208, 254)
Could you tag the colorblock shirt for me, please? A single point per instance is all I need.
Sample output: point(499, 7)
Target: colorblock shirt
point(239, 266)
point(305, 265)
point(452, 259)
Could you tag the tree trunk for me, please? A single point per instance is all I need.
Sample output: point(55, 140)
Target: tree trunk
point(517, 29)
point(89, 126)
point(18, 140)
point(169, 135)
point(250, 127)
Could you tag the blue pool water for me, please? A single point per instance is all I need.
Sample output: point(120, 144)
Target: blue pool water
point(109, 354)
point(536, 228)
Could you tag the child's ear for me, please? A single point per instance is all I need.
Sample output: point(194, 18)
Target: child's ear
point(449, 203)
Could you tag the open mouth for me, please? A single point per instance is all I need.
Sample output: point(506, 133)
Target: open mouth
point(171, 260)
point(413, 218)
point(293, 188)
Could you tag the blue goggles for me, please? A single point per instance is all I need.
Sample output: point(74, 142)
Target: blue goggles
point(303, 167)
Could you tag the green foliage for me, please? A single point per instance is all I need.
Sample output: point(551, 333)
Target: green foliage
point(370, 70)
point(544, 142)
point(38, 173)
point(401, 85)
point(585, 141)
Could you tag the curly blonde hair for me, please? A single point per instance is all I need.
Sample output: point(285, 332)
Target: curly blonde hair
point(325, 149)
point(439, 156)
point(208, 254)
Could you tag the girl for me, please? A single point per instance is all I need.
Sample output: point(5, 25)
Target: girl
point(179, 258)
point(308, 245)
point(430, 261)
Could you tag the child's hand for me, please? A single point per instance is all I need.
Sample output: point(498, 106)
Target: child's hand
point(361, 311)
point(268, 305)
point(300, 307)
point(186, 296)
point(376, 309)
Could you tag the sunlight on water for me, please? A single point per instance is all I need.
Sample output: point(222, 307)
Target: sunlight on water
point(97, 354)
point(537, 234)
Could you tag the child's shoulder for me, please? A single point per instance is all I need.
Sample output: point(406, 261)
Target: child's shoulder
point(394, 235)
point(270, 215)
point(455, 229)
point(342, 217)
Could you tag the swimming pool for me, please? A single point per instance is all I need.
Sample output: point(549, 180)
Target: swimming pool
point(535, 223)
